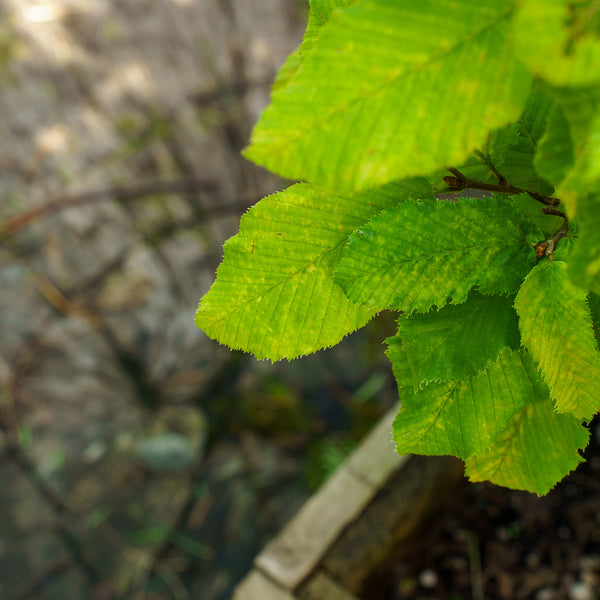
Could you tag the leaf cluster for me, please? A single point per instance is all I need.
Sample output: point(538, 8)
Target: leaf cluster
point(494, 271)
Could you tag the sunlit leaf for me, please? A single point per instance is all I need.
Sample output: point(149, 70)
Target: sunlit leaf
point(334, 124)
point(274, 295)
point(425, 253)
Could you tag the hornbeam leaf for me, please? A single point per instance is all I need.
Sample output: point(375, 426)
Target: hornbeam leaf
point(320, 11)
point(458, 340)
point(594, 304)
point(380, 97)
point(423, 253)
point(584, 261)
point(515, 161)
point(556, 327)
point(274, 294)
point(555, 152)
point(511, 149)
point(580, 189)
point(560, 40)
point(466, 417)
point(581, 108)
point(537, 450)
point(400, 365)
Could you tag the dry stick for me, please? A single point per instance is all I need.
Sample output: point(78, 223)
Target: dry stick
point(179, 186)
point(462, 182)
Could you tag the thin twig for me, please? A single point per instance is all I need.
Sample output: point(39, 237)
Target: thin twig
point(178, 186)
point(462, 182)
point(547, 247)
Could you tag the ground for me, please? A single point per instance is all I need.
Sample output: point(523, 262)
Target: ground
point(491, 543)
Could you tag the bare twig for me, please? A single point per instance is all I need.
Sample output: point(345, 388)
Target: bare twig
point(178, 186)
point(462, 182)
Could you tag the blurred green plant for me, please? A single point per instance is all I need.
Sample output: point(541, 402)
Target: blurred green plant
point(450, 154)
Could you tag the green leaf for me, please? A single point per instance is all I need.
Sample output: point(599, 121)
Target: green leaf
point(581, 108)
point(556, 327)
point(458, 340)
point(584, 261)
point(556, 153)
point(274, 295)
point(515, 162)
point(535, 451)
point(594, 304)
point(511, 150)
point(425, 253)
point(287, 71)
point(560, 40)
point(320, 11)
point(400, 365)
point(393, 88)
point(462, 418)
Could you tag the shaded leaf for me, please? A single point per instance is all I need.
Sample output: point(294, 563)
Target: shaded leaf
point(400, 365)
point(556, 152)
point(511, 149)
point(458, 340)
point(581, 108)
point(555, 324)
point(594, 304)
point(466, 417)
point(584, 260)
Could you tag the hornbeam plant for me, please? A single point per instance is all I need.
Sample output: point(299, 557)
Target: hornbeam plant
point(450, 157)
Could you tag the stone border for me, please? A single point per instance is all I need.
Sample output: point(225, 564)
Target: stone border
point(376, 500)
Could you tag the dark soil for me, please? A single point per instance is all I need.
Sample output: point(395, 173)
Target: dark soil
point(497, 544)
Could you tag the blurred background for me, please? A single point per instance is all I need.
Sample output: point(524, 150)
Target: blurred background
point(138, 458)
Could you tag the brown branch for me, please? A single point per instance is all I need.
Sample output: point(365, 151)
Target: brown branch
point(461, 182)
